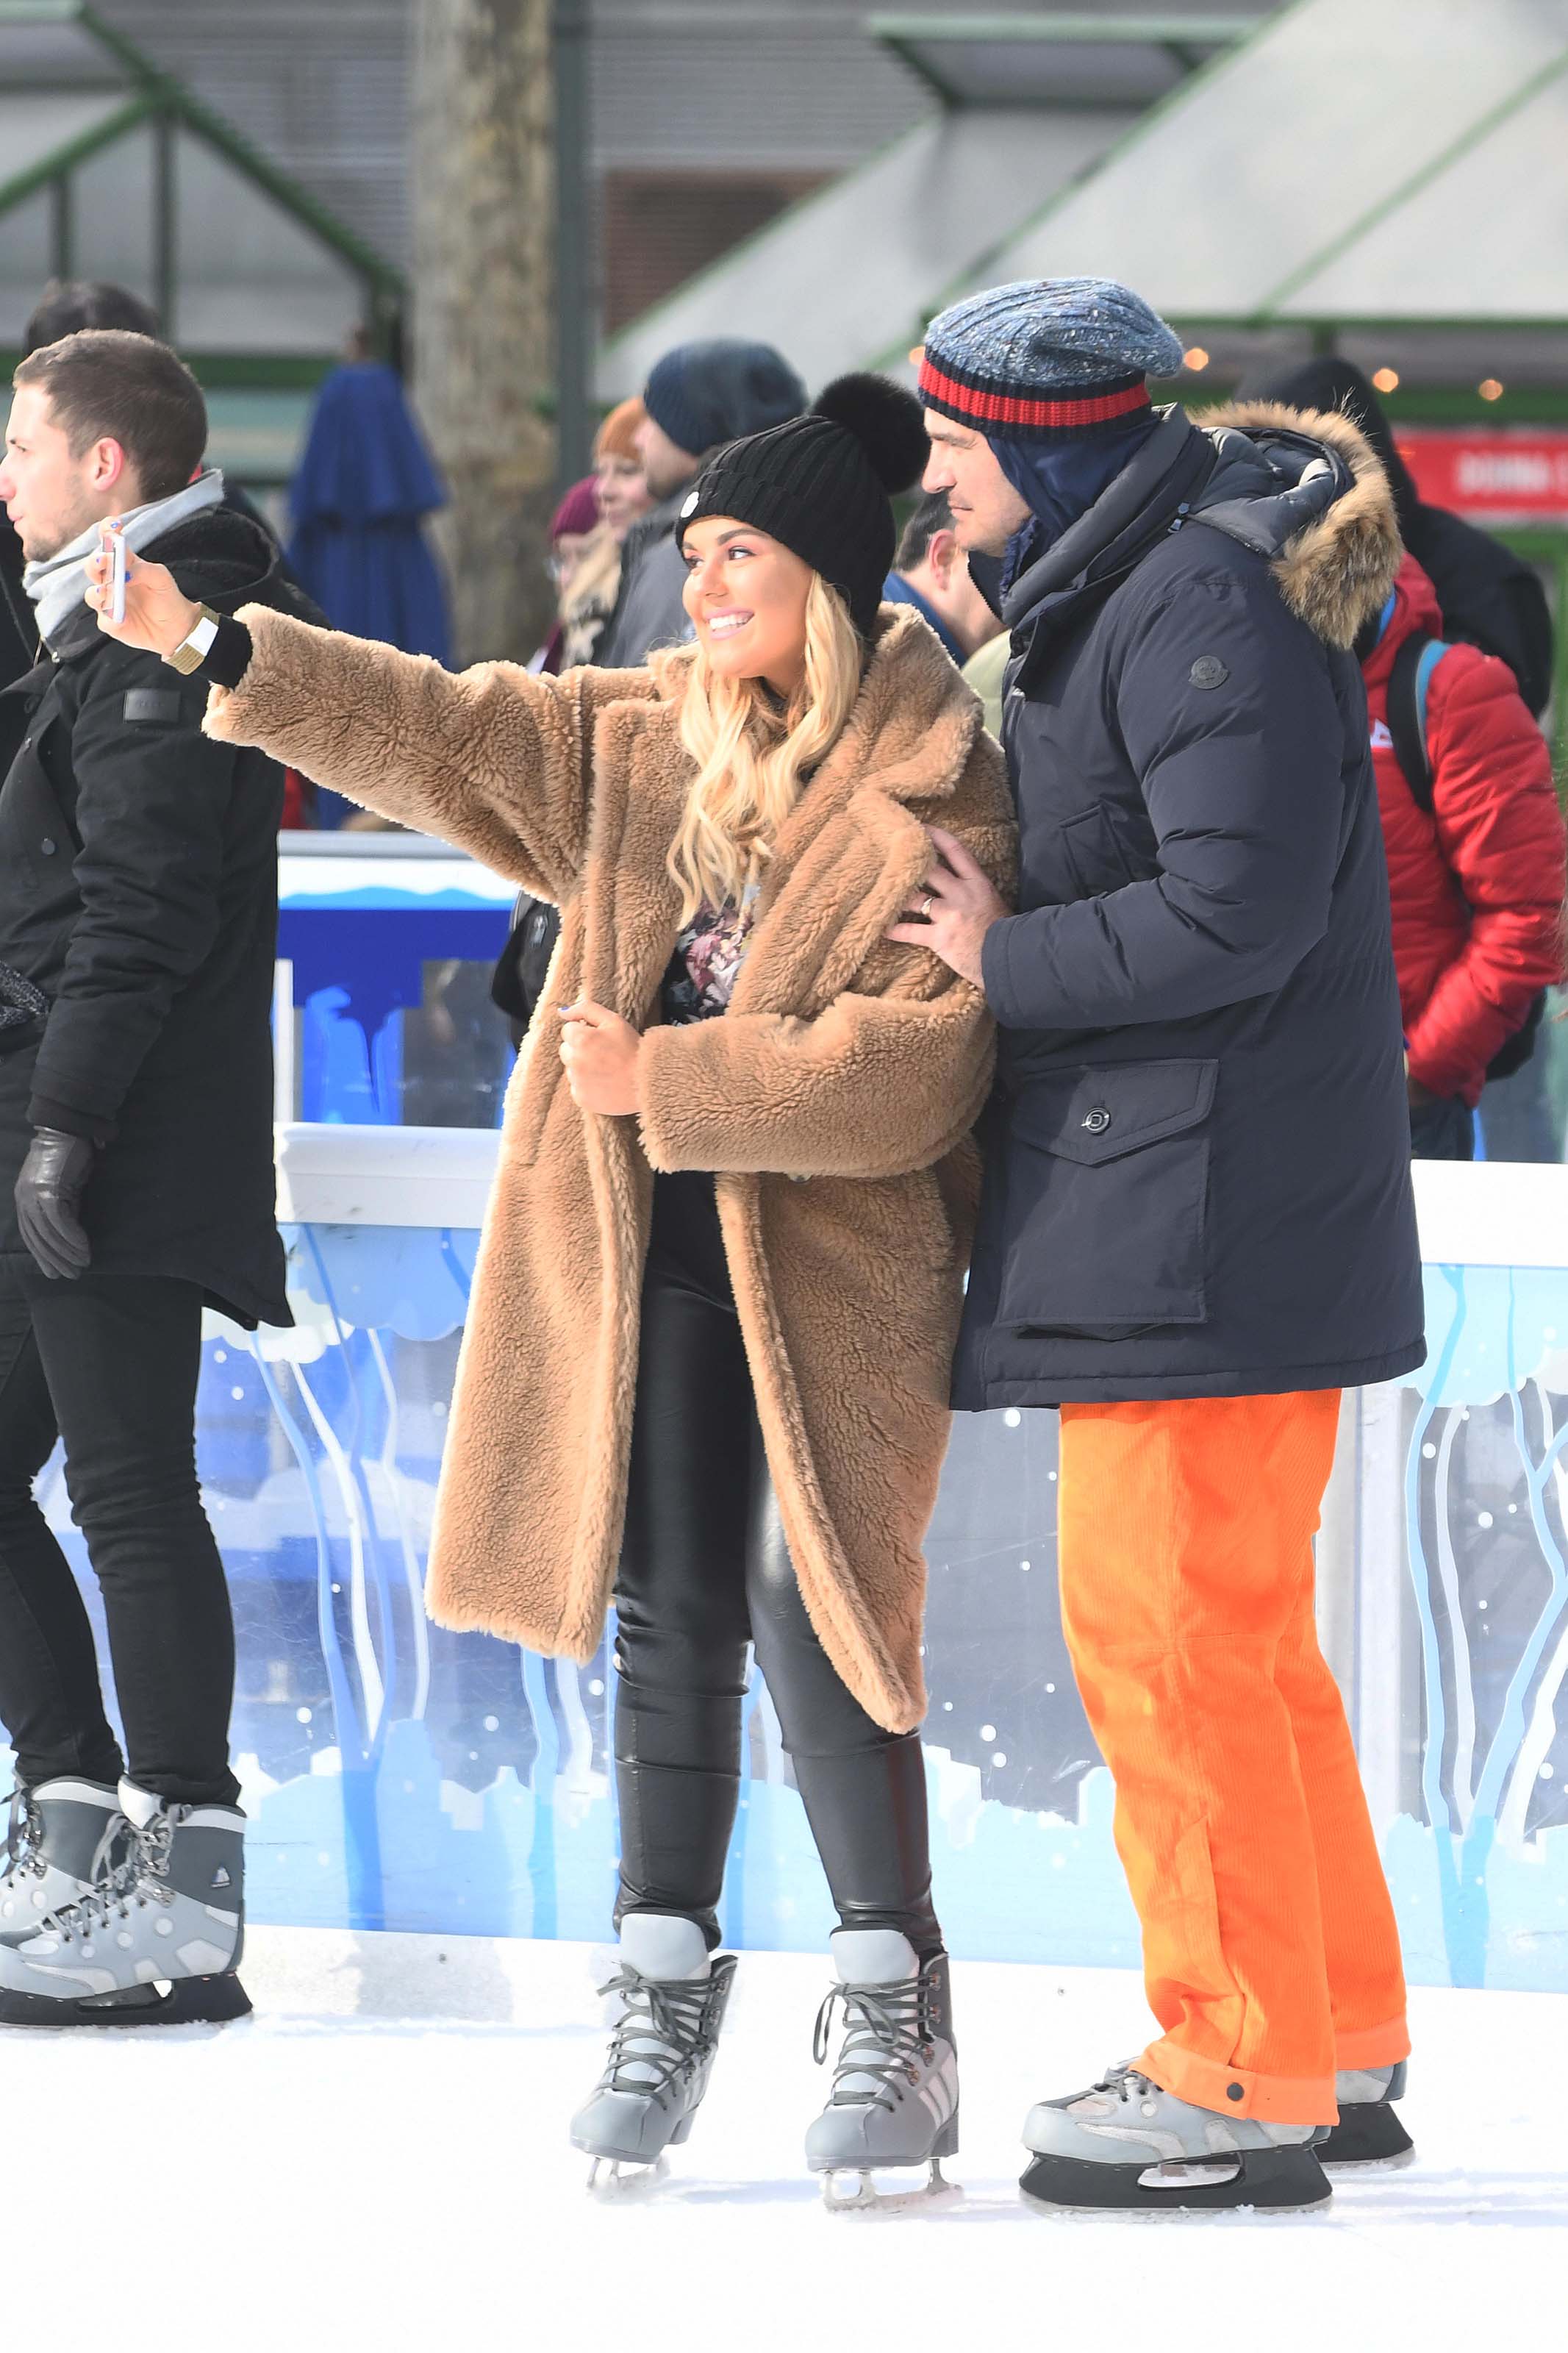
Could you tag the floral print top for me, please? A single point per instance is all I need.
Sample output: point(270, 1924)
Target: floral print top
point(707, 957)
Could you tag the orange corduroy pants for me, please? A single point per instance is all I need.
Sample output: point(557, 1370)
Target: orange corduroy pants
point(1270, 1953)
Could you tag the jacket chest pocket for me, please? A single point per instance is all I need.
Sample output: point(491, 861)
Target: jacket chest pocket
point(35, 828)
point(1106, 1202)
point(1095, 854)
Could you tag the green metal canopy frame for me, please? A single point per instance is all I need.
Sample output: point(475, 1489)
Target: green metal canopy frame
point(157, 100)
point(1185, 39)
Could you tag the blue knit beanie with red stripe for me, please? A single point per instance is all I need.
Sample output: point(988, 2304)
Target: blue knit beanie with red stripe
point(1046, 359)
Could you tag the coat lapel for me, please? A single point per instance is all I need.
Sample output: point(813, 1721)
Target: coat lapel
point(632, 907)
point(852, 849)
point(844, 860)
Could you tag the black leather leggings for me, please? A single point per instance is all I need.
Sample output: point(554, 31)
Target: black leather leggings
point(704, 1571)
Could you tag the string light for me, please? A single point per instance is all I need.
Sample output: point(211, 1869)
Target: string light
point(1489, 388)
point(1386, 379)
point(1197, 359)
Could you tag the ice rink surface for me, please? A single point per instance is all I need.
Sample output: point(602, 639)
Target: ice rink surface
point(378, 2160)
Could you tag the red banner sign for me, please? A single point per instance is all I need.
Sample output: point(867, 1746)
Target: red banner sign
point(1505, 477)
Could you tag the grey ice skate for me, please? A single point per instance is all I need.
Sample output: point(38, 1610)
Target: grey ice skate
point(1369, 2132)
point(62, 1839)
point(673, 1995)
point(895, 2084)
point(1128, 2145)
point(156, 1942)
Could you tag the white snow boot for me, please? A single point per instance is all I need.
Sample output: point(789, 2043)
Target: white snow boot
point(156, 1942)
point(1130, 2145)
point(1369, 2132)
point(895, 2084)
point(673, 1995)
point(62, 1838)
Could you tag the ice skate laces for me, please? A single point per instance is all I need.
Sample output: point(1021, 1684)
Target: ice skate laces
point(668, 2018)
point(142, 1878)
point(885, 2037)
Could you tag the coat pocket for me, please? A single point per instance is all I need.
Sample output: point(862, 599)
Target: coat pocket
point(1095, 853)
point(1107, 1200)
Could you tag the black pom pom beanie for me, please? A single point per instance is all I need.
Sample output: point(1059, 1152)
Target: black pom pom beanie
point(822, 485)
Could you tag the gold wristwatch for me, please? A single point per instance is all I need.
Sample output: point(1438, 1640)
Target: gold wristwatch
point(193, 650)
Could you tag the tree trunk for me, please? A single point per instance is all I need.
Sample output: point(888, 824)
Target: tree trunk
point(484, 307)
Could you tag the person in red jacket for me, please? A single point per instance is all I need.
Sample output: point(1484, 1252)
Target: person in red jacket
point(1476, 882)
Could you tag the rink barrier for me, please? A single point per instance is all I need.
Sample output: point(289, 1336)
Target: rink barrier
point(399, 1776)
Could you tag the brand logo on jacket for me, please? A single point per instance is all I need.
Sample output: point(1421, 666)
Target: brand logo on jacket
point(1382, 741)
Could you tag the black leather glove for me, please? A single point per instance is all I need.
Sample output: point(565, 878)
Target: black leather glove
point(49, 1191)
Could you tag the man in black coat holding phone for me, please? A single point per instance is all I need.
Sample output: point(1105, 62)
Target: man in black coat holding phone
point(138, 911)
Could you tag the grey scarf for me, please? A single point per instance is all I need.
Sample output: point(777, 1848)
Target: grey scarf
point(56, 583)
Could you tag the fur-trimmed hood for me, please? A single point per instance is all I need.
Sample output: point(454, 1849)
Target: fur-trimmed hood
point(1325, 513)
point(1303, 488)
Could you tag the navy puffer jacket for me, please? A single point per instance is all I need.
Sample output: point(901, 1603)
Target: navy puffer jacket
point(1197, 1157)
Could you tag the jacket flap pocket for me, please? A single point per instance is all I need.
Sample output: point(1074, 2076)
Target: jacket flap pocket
point(1095, 1115)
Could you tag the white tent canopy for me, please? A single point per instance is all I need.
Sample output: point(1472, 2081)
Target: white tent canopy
point(1348, 161)
point(848, 275)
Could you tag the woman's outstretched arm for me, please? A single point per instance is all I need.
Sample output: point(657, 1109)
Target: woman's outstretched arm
point(493, 760)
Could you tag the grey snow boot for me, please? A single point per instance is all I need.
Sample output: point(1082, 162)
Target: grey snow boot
point(62, 1837)
point(156, 1942)
point(1369, 2132)
point(895, 2084)
point(1126, 2144)
point(673, 1996)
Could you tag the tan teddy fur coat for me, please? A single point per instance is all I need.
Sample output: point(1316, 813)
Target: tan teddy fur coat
point(833, 1100)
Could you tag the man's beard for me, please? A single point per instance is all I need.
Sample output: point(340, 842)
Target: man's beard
point(55, 535)
point(664, 482)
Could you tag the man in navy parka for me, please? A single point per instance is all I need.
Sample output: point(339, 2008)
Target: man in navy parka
point(1197, 1224)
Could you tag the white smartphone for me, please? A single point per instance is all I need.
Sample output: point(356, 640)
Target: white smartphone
point(117, 576)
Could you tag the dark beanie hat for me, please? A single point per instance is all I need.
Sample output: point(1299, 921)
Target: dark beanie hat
point(822, 485)
point(705, 394)
point(1329, 382)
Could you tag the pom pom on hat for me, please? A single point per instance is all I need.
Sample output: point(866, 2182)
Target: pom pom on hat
point(886, 421)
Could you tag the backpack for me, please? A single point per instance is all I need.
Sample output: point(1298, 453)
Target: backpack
point(1409, 681)
point(1489, 596)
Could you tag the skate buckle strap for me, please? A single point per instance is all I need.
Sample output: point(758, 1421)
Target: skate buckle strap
point(885, 2032)
point(24, 1835)
point(673, 2011)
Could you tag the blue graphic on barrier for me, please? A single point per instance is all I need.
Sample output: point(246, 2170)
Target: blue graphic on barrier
point(361, 958)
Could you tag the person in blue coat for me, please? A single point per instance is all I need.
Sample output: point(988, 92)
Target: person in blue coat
point(1197, 1223)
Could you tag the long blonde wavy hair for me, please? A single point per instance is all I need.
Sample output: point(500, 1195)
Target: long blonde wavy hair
point(752, 754)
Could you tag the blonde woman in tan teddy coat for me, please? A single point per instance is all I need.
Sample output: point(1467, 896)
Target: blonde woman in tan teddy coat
point(705, 1368)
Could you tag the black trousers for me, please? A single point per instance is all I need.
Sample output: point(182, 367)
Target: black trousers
point(109, 1363)
point(704, 1572)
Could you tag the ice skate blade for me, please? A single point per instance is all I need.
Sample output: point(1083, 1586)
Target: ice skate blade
point(180, 2002)
point(1276, 2180)
point(626, 2177)
point(866, 2199)
point(1366, 2137)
